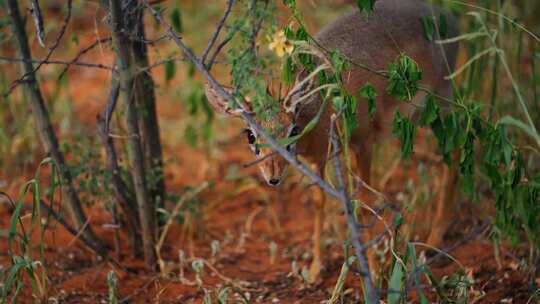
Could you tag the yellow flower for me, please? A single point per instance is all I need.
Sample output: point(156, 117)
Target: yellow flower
point(280, 45)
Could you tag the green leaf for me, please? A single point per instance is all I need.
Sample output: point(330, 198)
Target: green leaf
point(195, 98)
point(430, 113)
point(395, 283)
point(349, 107)
point(467, 164)
point(288, 70)
point(369, 93)
point(190, 134)
point(404, 130)
point(428, 26)
point(366, 6)
point(290, 4)
point(176, 20)
point(338, 61)
point(443, 26)
point(170, 70)
point(403, 76)
point(411, 253)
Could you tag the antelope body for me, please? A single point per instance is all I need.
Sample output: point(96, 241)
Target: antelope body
point(395, 27)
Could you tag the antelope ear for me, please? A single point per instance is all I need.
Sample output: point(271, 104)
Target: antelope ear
point(218, 103)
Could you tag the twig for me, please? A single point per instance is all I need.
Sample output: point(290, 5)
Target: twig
point(260, 160)
point(57, 217)
point(216, 35)
point(371, 291)
point(45, 129)
point(56, 43)
point(176, 211)
point(138, 290)
point(218, 50)
point(82, 52)
point(240, 285)
point(61, 62)
point(38, 21)
point(122, 193)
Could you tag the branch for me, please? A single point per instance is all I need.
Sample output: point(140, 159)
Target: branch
point(57, 217)
point(122, 194)
point(45, 130)
point(82, 52)
point(135, 151)
point(372, 293)
point(56, 43)
point(38, 21)
point(218, 50)
point(216, 34)
point(60, 62)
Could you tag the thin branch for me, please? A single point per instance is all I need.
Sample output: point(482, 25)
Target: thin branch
point(55, 45)
point(60, 62)
point(216, 34)
point(260, 160)
point(45, 130)
point(218, 50)
point(122, 194)
point(83, 52)
point(38, 21)
point(372, 293)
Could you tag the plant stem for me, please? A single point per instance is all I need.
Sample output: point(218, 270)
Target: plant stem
point(46, 132)
point(135, 150)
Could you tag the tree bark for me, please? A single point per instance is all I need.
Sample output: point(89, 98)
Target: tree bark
point(46, 132)
point(135, 151)
point(146, 102)
point(122, 194)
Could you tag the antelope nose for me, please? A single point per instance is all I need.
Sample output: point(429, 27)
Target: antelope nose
point(274, 181)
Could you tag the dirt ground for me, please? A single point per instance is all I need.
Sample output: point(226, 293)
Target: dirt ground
point(264, 235)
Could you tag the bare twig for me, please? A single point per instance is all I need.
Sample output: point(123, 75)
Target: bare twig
point(82, 52)
point(56, 43)
point(38, 21)
point(60, 62)
point(122, 194)
point(216, 35)
point(218, 50)
point(176, 211)
point(260, 160)
point(45, 129)
point(371, 291)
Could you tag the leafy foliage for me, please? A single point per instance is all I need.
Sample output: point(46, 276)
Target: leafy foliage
point(404, 129)
point(369, 93)
point(403, 76)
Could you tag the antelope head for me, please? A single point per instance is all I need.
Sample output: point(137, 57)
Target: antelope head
point(281, 125)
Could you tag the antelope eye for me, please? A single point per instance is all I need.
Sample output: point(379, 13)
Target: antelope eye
point(250, 136)
point(295, 130)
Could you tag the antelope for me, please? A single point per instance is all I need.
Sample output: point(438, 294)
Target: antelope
point(394, 28)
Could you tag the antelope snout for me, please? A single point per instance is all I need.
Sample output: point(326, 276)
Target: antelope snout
point(274, 181)
point(273, 170)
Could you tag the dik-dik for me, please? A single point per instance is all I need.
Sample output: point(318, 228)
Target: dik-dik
point(394, 28)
